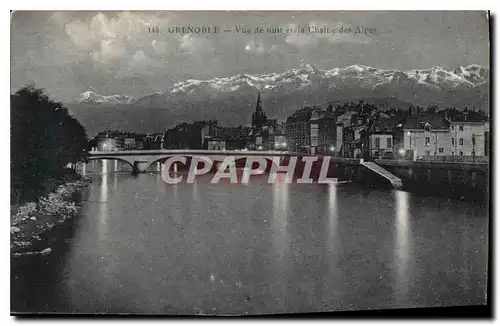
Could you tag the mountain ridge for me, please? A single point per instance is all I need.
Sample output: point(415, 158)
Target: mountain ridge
point(472, 75)
point(92, 97)
point(231, 100)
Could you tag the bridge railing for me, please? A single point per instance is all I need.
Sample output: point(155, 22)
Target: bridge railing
point(192, 151)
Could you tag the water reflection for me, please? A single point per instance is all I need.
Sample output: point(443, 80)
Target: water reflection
point(160, 184)
point(175, 189)
point(403, 242)
point(280, 214)
point(196, 195)
point(103, 202)
point(84, 168)
point(332, 216)
point(316, 249)
point(280, 236)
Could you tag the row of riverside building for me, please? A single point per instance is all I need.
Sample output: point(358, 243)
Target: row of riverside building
point(357, 130)
point(444, 135)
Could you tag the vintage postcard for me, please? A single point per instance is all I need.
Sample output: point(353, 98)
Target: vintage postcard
point(241, 163)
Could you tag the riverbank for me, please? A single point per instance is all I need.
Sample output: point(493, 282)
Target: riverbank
point(32, 221)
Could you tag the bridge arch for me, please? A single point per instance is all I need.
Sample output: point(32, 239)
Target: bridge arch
point(116, 158)
point(162, 159)
point(204, 158)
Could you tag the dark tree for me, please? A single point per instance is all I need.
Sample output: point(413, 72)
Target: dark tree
point(44, 139)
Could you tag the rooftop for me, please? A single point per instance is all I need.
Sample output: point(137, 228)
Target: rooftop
point(434, 120)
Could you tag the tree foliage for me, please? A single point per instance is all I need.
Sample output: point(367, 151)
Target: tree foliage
point(44, 139)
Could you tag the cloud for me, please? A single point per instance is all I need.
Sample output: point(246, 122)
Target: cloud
point(81, 35)
point(301, 39)
point(259, 47)
point(159, 46)
point(195, 44)
point(110, 37)
point(109, 50)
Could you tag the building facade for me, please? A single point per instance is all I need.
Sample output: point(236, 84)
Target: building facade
point(216, 144)
point(311, 130)
point(323, 132)
point(298, 130)
point(377, 144)
point(351, 141)
point(425, 135)
point(469, 138)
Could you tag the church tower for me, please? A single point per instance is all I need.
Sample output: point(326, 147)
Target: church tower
point(258, 117)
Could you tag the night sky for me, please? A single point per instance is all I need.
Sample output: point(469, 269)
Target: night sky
point(112, 52)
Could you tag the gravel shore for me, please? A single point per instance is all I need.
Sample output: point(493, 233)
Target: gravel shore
point(32, 220)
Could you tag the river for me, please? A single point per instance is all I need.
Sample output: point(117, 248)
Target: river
point(140, 245)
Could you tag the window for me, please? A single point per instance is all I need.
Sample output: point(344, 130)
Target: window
point(453, 141)
point(452, 127)
point(441, 150)
point(452, 153)
point(389, 143)
point(427, 141)
point(461, 153)
point(473, 141)
point(461, 128)
point(377, 142)
point(461, 141)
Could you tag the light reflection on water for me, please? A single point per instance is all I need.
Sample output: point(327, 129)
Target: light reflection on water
point(402, 241)
point(142, 245)
point(103, 201)
point(281, 237)
point(280, 215)
point(332, 216)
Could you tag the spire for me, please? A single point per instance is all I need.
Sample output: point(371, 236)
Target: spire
point(259, 106)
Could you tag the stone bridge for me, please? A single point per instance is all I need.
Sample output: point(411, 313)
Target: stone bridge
point(141, 160)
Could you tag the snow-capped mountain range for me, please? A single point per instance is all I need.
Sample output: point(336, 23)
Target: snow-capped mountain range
point(364, 77)
point(92, 97)
point(231, 100)
point(436, 77)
